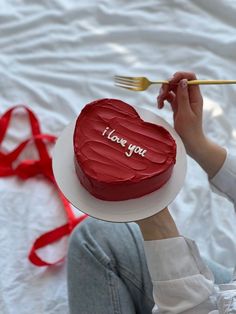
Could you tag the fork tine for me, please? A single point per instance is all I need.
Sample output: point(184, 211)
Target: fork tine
point(127, 87)
point(133, 78)
point(127, 83)
point(125, 80)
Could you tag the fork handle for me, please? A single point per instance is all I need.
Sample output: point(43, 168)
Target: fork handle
point(208, 82)
point(201, 82)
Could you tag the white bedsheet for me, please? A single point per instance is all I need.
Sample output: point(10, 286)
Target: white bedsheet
point(56, 56)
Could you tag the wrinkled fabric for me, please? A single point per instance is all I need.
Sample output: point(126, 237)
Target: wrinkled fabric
point(56, 56)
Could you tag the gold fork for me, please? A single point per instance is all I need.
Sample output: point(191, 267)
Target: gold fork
point(142, 83)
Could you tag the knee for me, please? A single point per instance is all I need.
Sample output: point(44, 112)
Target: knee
point(90, 240)
point(80, 233)
point(90, 232)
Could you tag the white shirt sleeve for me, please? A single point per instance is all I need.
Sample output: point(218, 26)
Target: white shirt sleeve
point(181, 280)
point(224, 181)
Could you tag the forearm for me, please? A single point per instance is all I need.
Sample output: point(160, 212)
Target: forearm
point(160, 226)
point(208, 155)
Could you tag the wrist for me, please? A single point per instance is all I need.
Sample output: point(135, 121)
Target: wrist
point(197, 146)
point(208, 155)
point(160, 226)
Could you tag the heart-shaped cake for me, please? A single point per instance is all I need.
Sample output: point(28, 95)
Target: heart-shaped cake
point(117, 155)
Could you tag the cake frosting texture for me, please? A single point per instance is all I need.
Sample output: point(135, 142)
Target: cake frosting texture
point(117, 155)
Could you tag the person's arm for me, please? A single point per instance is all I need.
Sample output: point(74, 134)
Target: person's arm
point(209, 156)
point(187, 105)
point(158, 227)
point(220, 167)
point(225, 179)
point(180, 279)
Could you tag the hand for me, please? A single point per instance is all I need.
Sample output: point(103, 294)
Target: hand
point(187, 105)
point(159, 226)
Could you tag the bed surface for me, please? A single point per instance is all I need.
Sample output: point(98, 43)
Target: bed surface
point(56, 56)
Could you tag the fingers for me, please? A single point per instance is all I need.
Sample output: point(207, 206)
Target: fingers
point(171, 98)
point(162, 95)
point(179, 100)
point(172, 86)
point(183, 97)
point(180, 75)
point(194, 90)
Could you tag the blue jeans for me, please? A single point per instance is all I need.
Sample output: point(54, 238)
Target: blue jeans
point(107, 270)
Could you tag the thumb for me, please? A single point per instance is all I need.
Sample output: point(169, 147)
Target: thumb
point(183, 97)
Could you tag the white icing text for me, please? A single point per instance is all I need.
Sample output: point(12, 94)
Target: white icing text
point(131, 148)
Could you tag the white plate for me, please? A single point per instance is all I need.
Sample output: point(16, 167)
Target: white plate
point(116, 211)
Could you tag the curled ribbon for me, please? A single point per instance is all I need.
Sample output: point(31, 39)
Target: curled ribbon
point(29, 168)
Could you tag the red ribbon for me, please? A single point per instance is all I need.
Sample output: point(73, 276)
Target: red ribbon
point(30, 168)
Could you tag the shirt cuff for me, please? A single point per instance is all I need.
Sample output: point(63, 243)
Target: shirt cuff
point(174, 258)
point(225, 179)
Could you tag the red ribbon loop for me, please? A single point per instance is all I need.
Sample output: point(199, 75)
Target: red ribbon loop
point(48, 238)
point(30, 168)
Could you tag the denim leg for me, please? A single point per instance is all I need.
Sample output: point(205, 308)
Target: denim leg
point(107, 270)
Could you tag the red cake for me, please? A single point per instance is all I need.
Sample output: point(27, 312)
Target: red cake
point(117, 155)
